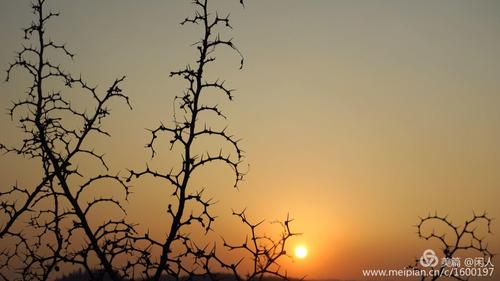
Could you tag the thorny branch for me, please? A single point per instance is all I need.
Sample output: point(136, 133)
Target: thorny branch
point(263, 251)
point(187, 134)
point(55, 133)
point(466, 238)
point(188, 130)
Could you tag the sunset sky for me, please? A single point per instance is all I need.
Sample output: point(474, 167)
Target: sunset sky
point(356, 117)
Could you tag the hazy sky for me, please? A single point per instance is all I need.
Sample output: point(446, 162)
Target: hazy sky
point(356, 116)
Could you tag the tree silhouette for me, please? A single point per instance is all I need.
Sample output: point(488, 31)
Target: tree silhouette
point(50, 225)
point(263, 251)
point(188, 129)
point(186, 132)
point(455, 240)
point(55, 134)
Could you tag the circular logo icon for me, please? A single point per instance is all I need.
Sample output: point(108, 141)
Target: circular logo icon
point(429, 258)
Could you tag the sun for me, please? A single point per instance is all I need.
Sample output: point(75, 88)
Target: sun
point(301, 252)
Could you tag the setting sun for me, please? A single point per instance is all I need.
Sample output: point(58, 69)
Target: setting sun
point(301, 252)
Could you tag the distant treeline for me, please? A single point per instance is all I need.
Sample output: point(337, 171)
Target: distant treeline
point(85, 276)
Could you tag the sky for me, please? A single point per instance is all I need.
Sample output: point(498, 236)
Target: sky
point(356, 117)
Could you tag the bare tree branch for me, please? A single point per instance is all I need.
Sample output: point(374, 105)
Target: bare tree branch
point(455, 240)
point(54, 211)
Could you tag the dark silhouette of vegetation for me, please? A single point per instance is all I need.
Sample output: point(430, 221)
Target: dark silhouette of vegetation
point(56, 134)
point(456, 240)
point(83, 276)
point(189, 129)
point(51, 225)
point(265, 252)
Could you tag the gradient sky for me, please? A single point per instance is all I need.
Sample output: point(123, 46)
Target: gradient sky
point(356, 116)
